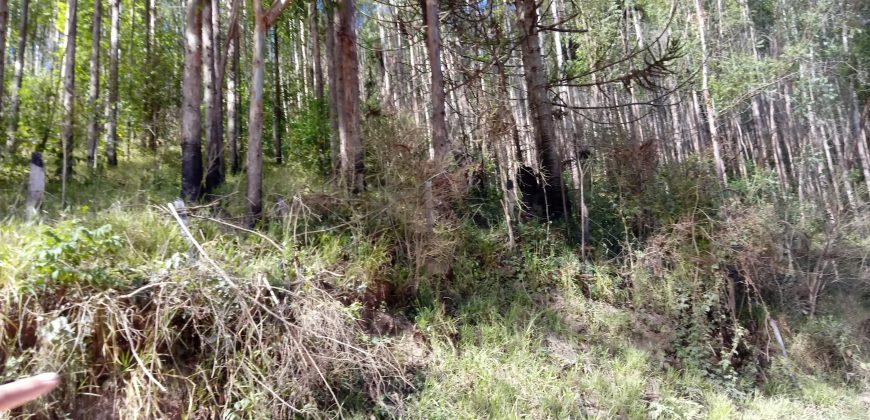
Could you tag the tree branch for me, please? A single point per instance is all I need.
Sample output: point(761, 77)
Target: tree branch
point(271, 16)
point(553, 28)
point(232, 33)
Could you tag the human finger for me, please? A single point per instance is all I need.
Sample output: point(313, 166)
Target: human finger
point(21, 391)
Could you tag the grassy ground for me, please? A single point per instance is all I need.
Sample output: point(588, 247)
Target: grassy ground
point(341, 307)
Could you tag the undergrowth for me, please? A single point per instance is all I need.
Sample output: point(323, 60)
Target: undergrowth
point(348, 306)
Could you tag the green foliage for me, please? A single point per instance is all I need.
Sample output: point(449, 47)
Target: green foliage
point(71, 254)
point(827, 348)
point(625, 211)
point(39, 97)
point(309, 137)
point(482, 204)
point(761, 186)
point(667, 316)
point(533, 330)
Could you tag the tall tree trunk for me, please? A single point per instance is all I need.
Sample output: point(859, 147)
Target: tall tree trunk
point(150, 103)
point(399, 84)
point(112, 105)
point(4, 23)
point(131, 134)
point(306, 69)
point(314, 37)
point(297, 65)
point(433, 46)
point(708, 99)
point(384, 51)
point(233, 104)
point(69, 91)
point(334, 89)
point(277, 109)
point(863, 139)
point(255, 118)
point(415, 92)
point(191, 136)
point(208, 82)
point(12, 130)
point(777, 155)
point(439, 122)
point(94, 85)
point(757, 118)
point(212, 51)
point(349, 108)
point(262, 21)
point(540, 108)
point(214, 175)
point(698, 140)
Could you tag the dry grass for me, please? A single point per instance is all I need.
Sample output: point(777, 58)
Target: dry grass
point(194, 338)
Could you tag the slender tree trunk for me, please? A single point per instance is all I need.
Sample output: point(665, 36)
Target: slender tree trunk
point(741, 146)
point(507, 186)
point(433, 45)
point(349, 108)
point(778, 158)
point(255, 118)
point(334, 89)
point(439, 143)
point(631, 111)
point(308, 74)
point(94, 86)
point(698, 140)
point(387, 96)
point(413, 85)
point(289, 101)
point(277, 110)
point(4, 27)
point(209, 82)
point(233, 126)
point(150, 103)
point(131, 136)
point(112, 105)
point(569, 125)
point(314, 37)
point(12, 130)
point(839, 128)
point(541, 109)
point(863, 138)
point(399, 83)
point(262, 21)
point(708, 99)
point(297, 65)
point(69, 90)
point(191, 125)
point(214, 171)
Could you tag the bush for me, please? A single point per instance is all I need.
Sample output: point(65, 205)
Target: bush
point(73, 254)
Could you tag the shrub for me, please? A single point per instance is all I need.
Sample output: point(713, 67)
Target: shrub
point(73, 254)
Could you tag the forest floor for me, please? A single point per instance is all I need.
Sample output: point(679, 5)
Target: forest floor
point(340, 307)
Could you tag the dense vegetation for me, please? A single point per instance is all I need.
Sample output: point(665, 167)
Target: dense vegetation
point(604, 209)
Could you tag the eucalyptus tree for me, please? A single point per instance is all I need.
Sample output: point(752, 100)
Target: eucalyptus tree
point(191, 120)
point(18, 77)
point(540, 108)
point(348, 100)
point(4, 23)
point(263, 20)
point(69, 90)
point(332, 99)
point(277, 108)
point(113, 100)
point(94, 83)
point(440, 144)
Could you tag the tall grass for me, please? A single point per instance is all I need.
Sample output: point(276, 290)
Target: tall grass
point(347, 307)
